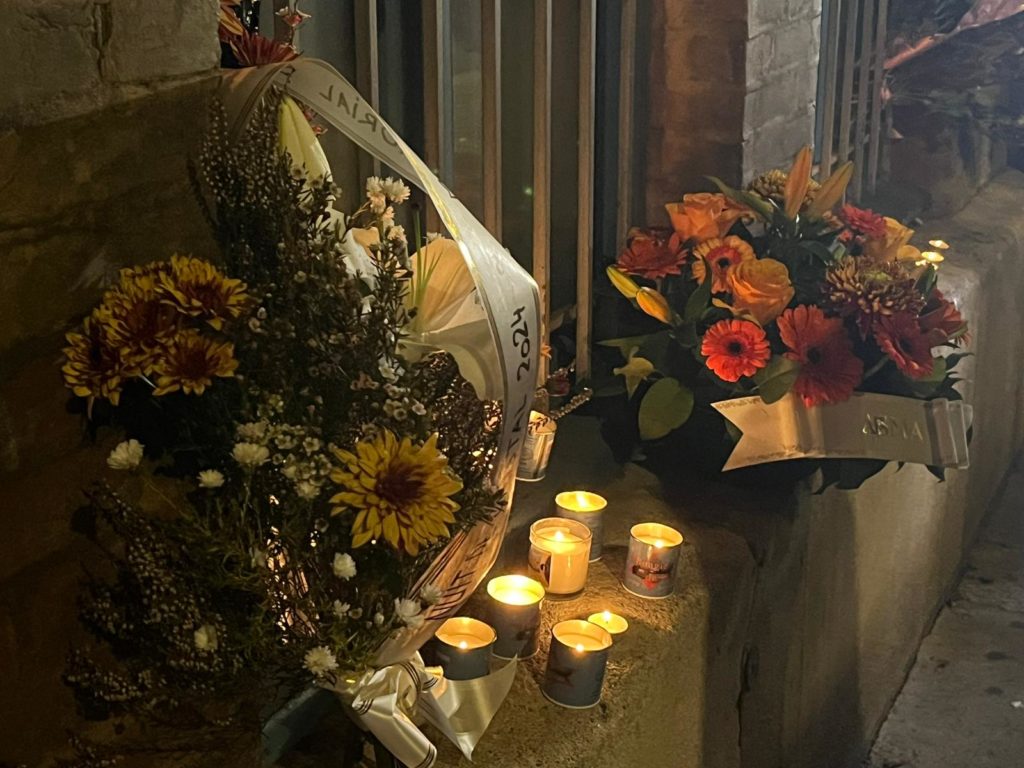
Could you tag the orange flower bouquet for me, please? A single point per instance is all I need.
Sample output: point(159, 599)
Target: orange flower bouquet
point(794, 317)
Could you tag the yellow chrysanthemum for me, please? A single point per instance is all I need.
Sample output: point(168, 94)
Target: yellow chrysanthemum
point(198, 289)
point(398, 489)
point(137, 319)
point(191, 361)
point(94, 368)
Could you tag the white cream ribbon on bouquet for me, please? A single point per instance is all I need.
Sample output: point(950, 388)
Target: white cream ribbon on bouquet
point(867, 426)
point(387, 701)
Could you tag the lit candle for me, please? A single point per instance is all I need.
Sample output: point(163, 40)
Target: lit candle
point(652, 559)
point(515, 615)
point(463, 648)
point(942, 245)
point(576, 664)
point(931, 257)
point(559, 554)
point(613, 623)
point(587, 508)
point(540, 439)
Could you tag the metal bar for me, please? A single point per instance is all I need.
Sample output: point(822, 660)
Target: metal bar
point(367, 69)
point(863, 75)
point(585, 186)
point(876, 94)
point(542, 167)
point(490, 38)
point(627, 67)
point(434, 128)
point(846, 96)
point(828, 124)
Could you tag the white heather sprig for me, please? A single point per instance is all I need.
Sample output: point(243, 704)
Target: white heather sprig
point(320, 660)
point(126, 455)
point(344, 566)
point(210, 478)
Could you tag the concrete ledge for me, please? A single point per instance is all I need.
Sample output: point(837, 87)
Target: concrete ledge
point(797, 616)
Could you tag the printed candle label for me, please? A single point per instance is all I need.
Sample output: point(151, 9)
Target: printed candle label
point(652, 572)
point(652, 559)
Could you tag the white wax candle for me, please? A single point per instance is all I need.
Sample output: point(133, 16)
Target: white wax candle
point(465, 633)
point(613, 623)
point(559, 553)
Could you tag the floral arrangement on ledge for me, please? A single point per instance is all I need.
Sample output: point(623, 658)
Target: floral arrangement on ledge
point(778, 288)
point(297, 473)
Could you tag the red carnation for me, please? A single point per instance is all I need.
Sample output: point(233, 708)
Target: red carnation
point(861, 224)
point(901, 338)
point(651, 253)
point(829, 370)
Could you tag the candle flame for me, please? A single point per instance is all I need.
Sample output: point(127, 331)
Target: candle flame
point(463, 644)
point(658, 543)
point(607, 615)
point(559, 536)
point(940, 244)
point(579, 647)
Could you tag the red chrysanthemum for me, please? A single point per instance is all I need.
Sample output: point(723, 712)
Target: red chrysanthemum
point(829, 370)
point(861, 222)
point(735, 348)
point(941, 321)
point(651, 253)
point(901, 338)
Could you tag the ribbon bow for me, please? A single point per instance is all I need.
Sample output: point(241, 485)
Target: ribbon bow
point(385, 702)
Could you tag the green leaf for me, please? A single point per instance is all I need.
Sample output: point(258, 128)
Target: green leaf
point(698, 301)
point(819, 250)
point(666, 406)
point(777, 378)
point(954, 358)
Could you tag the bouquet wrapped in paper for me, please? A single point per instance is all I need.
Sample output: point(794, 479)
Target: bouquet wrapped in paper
point(816, 329)
point(328, 484)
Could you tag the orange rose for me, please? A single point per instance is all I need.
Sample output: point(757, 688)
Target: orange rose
point(762, 287)
point(703, 216)
point(894, 245)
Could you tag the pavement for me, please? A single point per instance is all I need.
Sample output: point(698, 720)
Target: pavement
point(963, 703)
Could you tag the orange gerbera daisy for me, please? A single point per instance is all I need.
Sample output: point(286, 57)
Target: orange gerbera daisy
point(829, 370)
point(720, 255)
point(901, 338)
point(651, 253)
point(735, 348)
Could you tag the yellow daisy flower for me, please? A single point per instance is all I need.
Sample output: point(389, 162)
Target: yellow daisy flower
point(137, 319)
point(398, 489)
point(191, 361)
point(198, 289)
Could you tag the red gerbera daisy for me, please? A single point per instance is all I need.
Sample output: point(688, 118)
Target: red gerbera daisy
point(651, 253)
point(942, 321)
point(735, 348)
point(829, 371)
point(862, 223)
point(901, 338)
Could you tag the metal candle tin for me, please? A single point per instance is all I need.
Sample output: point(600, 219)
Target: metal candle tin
point(587, 508)
point(652, 560)
point(576, 664)
point(540, 439)
point(463, 648)
point(515, 615)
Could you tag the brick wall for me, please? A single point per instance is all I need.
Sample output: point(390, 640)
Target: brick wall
point(732, 90)
point(101, 105)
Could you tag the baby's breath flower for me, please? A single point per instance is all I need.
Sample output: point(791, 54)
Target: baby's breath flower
point(307, 490)
point(205, 638)
point(419, 409)
point(126, 455)
point(253, 432)
point(211, 478)
point(311, 445)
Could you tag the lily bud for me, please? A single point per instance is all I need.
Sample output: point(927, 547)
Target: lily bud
point(831, 191)
point(623, 283)
point(797, 182)
point(655, 305)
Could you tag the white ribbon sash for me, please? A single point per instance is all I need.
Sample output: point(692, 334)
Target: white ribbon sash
point(867, 426)
point(386, 702)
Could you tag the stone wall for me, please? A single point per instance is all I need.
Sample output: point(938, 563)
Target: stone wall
point(732, 89)
point(101, 105)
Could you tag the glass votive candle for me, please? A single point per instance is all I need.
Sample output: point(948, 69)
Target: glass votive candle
point(540, 439)
point(612, 622)
point(463, 648)
point(587, 508)
point(652, 559)
point(576, 664)
point(559, 554)
point(515, 615)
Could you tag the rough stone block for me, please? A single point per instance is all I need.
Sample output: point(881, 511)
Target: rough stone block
point(773, 145)
point(147, 40)
point(792, 45)
point(786, 95)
